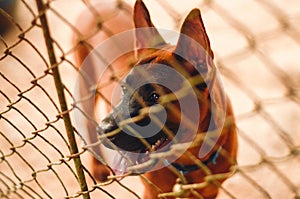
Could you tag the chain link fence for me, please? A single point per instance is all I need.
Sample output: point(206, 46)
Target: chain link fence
point(44, 155)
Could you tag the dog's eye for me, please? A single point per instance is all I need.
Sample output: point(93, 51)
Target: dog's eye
point(154, 97)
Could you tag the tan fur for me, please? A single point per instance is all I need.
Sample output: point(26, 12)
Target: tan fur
point(164, 178)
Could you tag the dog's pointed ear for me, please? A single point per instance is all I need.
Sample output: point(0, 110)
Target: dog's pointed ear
point(193, 39)
point(147, 35)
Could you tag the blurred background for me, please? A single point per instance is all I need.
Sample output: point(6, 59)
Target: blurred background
point(257, 48)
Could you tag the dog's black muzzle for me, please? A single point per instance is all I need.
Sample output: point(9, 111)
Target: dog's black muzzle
point(116, 137)
point(130, 137)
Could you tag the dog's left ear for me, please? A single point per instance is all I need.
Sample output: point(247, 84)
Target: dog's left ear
point(147, 35)
point(193, 41)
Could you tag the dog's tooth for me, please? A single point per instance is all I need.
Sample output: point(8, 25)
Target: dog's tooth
point(157, 143)
point(153, 147)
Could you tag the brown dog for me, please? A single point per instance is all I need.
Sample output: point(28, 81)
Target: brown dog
point(191, 174)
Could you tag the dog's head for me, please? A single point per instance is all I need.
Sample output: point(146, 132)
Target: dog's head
point(155, 98)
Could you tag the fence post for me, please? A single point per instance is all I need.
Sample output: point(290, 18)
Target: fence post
point(62, 99)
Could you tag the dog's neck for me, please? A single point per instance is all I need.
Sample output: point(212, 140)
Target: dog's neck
point(188, 168)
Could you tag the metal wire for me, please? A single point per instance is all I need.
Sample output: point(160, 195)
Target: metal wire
point(42, 153)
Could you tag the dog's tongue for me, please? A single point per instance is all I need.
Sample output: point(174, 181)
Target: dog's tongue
point(122, 161)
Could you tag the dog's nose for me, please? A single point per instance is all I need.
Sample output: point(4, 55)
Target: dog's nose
point(106, 125)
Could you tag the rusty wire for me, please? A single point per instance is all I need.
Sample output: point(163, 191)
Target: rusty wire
point(38, 142)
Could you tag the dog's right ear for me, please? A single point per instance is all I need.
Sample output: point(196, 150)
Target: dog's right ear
point(147, 35)
point(193, 43)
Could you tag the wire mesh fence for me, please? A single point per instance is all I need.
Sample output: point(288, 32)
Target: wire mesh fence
point(43, 153)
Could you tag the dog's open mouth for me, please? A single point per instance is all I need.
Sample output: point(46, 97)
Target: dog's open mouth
point(124, 161)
